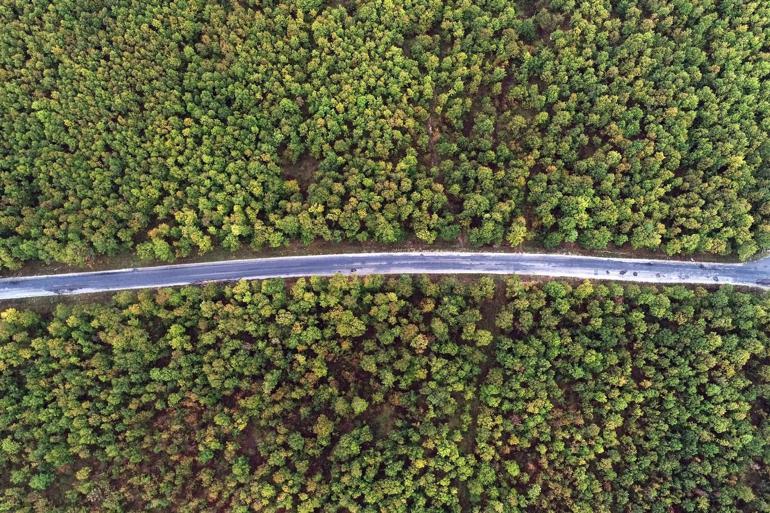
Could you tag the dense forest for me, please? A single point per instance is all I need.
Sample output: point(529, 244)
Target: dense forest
point(389, 395)
point(168, 128)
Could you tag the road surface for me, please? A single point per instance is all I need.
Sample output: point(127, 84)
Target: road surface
point(753, 274)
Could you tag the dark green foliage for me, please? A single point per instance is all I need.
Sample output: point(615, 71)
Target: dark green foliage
point(613, 399)
point(389, 395)
point(169, 128)
point(252, 397)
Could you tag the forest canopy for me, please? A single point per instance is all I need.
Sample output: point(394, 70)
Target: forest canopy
point(168, 128)
point(397, 395)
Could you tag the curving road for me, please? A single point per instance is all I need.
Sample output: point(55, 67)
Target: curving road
point(753, 274)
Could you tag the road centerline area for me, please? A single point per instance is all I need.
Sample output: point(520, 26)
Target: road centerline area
point(753, 274)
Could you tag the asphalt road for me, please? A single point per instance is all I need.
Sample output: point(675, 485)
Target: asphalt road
point(753, 274)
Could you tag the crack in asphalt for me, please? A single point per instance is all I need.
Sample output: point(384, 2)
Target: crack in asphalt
point(752, 274)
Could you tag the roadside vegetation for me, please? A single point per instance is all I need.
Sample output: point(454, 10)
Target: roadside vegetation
point(401, 394)
point(169, 128)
